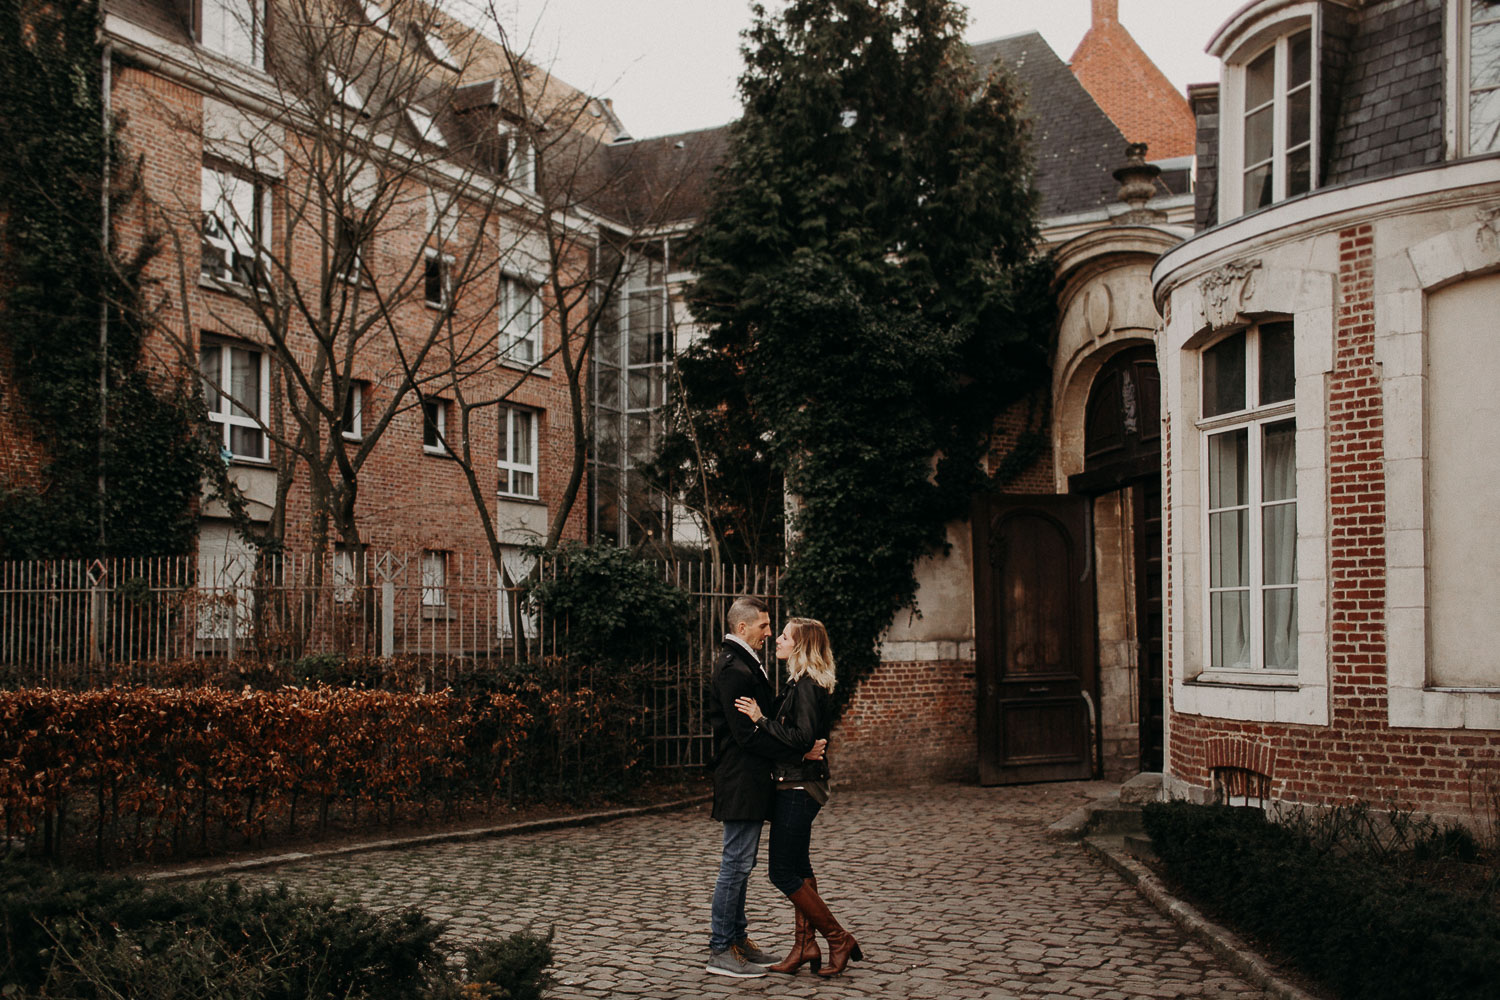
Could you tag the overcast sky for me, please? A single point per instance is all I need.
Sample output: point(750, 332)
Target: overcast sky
point(671, 65)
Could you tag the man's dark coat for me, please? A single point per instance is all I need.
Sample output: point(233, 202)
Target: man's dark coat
point(743, 789)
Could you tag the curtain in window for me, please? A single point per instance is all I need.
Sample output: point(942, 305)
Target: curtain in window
point(1228, 543)
point(1279, 545)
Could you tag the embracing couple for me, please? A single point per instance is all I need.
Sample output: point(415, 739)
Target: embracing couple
point(768, 764)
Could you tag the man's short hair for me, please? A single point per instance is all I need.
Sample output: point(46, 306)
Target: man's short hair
point(746, 609)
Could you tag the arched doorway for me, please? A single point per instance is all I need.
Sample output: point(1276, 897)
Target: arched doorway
point(1122, 474)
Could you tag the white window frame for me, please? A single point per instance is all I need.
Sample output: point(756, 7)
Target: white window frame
point(1256, 40)
point(341, 575)
point(434, 578)
point(445, 278)
point(236, 225)
point(351, 421)
point(234, 29)
point(520, 320)
point(1253, 419)
point(519, 425)
point(1459, 83)
point(435, 414)
point(222, 412)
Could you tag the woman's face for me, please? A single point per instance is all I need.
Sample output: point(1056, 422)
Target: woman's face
point(785, 643)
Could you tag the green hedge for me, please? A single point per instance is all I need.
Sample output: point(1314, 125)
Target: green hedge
point(71, 934)
point(1355, 925)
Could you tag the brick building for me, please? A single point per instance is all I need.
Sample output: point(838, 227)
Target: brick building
point(385, 265)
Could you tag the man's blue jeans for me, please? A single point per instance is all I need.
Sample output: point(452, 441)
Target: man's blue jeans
point(741, 841)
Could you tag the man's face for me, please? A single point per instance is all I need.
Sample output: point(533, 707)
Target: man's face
point(756, 632)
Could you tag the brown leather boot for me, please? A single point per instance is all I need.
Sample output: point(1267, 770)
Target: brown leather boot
point(804, 946)
point(841, 944)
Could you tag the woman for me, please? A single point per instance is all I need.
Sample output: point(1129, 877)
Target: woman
point(803, 716)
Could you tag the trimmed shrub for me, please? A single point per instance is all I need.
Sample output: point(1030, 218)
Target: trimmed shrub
point(76, 935)
point(1344, 920)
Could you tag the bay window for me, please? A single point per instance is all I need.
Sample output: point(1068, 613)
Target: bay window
point(1250, 482)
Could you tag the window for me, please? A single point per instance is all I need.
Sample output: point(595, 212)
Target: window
point(376, 15)
point(343, 575)
point(434, 579)
point(426, 126)
point(348, 249)
point(516, 565)
point(520, 322)
point(234, 28)
point(439, 49)
point(1479, 106)
point(236, 387)
point(1277, 126)
point(518, 452)
point(351, 420)
point(236, 226)
point(517, 158)
point(1251, 504)
point(435, 426)
point(344, 93)
point(437, 276)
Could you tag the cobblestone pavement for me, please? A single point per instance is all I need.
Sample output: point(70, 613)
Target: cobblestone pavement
point(953, 892)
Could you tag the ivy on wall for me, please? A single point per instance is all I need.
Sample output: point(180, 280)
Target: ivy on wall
point(118, 477)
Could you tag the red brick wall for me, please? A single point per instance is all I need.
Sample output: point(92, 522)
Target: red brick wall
point(909, 723)
point(1025, 417)
point(1358, 755)
point(1131, 90)
point(407, 499)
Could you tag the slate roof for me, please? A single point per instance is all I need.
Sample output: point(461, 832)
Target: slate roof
point(670, 175)
point(1076, 145)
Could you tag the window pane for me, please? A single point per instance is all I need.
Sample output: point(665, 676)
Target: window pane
point(1279, 559)
point(609, 387)
point(522, 438)
point(433, 281)
point(1299, 71)
point(1228, 540)
point(1224, 376)
point(1298, 117)
point(1260, 79)
point(1259, 135)
point(1278, 461)
point(523, 484)
point(1484, 121)
point(1484, 47)
point(1228, 454)
point(434, 578)
point(1281, 629)
point(640, 388)
point(247, 442)
point(1299, 171)
point(1257, 187)
point(210, 359)
point(244, 382)
point(639, 443)
point(1230, 630)
point(1277, 363)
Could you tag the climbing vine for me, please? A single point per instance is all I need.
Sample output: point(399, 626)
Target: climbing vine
point(122, 463)
point(870, 278)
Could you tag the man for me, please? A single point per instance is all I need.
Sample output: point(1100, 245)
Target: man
point(743, 786)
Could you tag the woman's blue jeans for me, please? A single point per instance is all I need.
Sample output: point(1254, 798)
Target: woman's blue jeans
point(791, 837)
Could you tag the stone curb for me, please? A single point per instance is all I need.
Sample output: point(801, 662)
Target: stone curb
point(1222, 941)
point(216, 869)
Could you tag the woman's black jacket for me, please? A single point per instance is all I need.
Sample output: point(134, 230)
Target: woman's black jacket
point(804, 715)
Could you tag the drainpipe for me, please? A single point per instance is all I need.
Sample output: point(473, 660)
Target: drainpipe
point(104, 298)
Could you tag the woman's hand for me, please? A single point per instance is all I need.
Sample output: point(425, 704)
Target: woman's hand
point(750, 707)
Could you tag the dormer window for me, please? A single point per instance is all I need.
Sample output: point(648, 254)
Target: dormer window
point(376, 15)
point(1269, 144)
point(438, 49)
point(234, 28)
point(516, 160)
point(344, 93)
point(426, 126)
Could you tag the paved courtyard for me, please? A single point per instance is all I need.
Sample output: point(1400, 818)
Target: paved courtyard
point(952, 891)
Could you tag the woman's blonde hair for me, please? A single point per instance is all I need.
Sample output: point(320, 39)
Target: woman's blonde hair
point(811, 653)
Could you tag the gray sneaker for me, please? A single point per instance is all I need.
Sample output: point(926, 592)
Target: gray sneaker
point(753, 954)
point(731, 962)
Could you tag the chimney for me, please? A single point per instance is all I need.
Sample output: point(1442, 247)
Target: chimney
point(1106, 12)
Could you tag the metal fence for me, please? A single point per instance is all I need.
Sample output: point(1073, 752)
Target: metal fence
point(72, 622)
